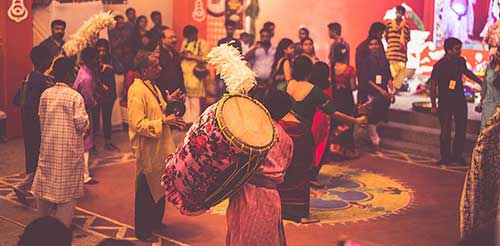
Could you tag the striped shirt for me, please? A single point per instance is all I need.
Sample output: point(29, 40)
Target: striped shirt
point(394, 40)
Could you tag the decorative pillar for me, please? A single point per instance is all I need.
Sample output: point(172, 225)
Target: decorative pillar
point(16, 38)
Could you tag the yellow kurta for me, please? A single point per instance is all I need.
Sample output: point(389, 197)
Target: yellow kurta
point(194, 86)
point(151, 140)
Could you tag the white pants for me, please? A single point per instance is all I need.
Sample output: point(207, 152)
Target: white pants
point(192, 109)
point(369, 132)
point(62, 211)
point(86, 172)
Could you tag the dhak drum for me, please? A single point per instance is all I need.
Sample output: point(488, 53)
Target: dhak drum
point(219, 153)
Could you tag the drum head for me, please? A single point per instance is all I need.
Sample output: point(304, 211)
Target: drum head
point(247, 121)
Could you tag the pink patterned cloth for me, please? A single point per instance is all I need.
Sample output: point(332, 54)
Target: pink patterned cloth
point(254, 212)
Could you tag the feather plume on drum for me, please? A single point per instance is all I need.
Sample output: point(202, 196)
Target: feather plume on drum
point(225, 146)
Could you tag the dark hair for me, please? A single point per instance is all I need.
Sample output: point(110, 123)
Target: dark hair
point(118, 17)
point(401, 9)
point(230, 23)
point(301, 68)
point(265, 30)
point(340, 53)
point(449, 43)
point(155, 13)
point(89, 54)
point(375, 28)
point(115, 242)
point(305, 39)
point(189, 30)
point(268, 24)
point(129, 10)
point(336, 27)
point(139, 19)
point(280, 50)
point(305, 30)
point(278, 103)
point(142, 59)
point(46, 231)
point(319, 75)
point(102, 43)
point(61, 69)
point(57, 23)
point(244, 34)
point(40, 57)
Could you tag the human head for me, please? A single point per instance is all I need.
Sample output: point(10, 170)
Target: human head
point(285, 48)
point(278, 103)
point(156, 18)
point(120, 21)
point(307, 45)
point(265, 37)
point(58, 28)
point(168, 39)
point(340, 53)
point(245, 37)
point(301, 68)
point(230, 28)
point(141, 23)
point(115, 242)
point(46, 231)
point(190, 32)
point(90, 57)
point(102, 46)
point(270, 26)
point(377, 30)
point(319, 75)
point(373, 45)
point(148, 65)
point(334, 30)
point(400, 12)
point(130, 13)
point(40, 58)
point(453, 47)
point(303, 33)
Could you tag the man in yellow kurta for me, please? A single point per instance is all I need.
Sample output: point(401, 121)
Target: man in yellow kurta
point(151, 140)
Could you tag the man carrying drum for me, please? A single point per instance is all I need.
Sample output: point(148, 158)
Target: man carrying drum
point(151, 141)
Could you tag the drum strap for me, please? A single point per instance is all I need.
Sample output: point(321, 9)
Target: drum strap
point(155, 93)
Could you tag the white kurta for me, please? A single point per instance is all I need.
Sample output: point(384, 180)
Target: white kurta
point(63, 120)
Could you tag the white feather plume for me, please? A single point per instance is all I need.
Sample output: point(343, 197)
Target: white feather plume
point(95, 24)
point(229, 63)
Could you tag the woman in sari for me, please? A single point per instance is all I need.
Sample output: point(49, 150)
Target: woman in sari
point(490, 92)
point(307, 45)
point(282, 71)
point(306, 99)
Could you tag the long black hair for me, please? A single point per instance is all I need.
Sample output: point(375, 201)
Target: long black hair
point(280, 50)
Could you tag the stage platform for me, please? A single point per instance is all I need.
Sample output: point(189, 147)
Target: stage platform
point(417, 132)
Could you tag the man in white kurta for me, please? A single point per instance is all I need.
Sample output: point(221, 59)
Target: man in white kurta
point(63, 121)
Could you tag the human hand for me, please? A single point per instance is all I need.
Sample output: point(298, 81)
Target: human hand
point(434, 109)
point(177, 95)
point(173, 120)
point(362, 121)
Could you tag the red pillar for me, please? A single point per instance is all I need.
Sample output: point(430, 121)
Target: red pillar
point(183, 15)
point(16, 40)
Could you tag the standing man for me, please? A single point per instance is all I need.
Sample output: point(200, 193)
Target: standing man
point(171, 77)
point(63, 121)
point(36, 83)
point(398, 36)
point(335, 32)
point(447, 79)
point(261, 57)
point(131, 17)
point(270, 26)
point(151, 140)
point(230, 29)
point(119, 42)
point(55, 42)
point(155, 33)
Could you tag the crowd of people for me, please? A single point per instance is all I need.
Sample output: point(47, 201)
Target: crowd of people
point(312, 102)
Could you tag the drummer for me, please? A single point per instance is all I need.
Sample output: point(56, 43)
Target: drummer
point(151, 141)
point(254, 212)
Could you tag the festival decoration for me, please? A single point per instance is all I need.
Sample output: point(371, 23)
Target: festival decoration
point(199, 13)
point(231, 66)
point(17, 11)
